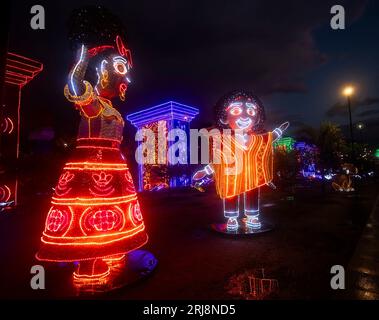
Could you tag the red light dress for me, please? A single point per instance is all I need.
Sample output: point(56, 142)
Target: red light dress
point(94, 211)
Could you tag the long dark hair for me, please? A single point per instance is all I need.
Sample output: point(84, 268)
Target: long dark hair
point(95, 26)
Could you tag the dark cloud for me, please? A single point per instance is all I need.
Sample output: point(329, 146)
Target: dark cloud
point(296, 124)
point(264, 45)
point(288, 87)
point(191, 51)
point(368, 113)
point(369, 134)
point(339, 108)
point(279, 116)
point(368, 102)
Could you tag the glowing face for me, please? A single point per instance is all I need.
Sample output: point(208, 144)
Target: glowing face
point(113, 77)
point(242, 114)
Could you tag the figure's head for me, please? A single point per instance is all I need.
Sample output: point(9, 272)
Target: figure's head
point(109, 70)
point(110, 61)
point(240, 110)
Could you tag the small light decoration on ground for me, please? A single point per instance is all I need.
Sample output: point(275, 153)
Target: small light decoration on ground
point(253, 285)
point(95, 217)
point(342, 181)
point(251, 150)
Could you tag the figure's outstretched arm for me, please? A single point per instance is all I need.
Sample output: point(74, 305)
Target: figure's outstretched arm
point(201, 174)
point(76, 85)
point(278, 132)
point(79, 91)
point(202, 178)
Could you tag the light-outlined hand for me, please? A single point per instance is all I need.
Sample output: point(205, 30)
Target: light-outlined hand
point(284, 126)
point(201, 174)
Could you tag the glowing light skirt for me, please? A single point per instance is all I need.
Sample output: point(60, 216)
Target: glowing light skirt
point(94, 211)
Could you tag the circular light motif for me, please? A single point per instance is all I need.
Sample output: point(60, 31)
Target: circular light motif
point(102, 220)
point(57, 220)
point(137, 212)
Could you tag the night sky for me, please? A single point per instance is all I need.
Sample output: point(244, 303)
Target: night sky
point(195, 51)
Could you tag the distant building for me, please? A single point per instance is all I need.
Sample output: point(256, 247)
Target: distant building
point(161, 119)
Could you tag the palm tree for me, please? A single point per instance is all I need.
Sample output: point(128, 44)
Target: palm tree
point(330, 142)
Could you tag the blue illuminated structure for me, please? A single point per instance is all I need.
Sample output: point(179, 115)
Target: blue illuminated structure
point(307, 154)
point(169, 115)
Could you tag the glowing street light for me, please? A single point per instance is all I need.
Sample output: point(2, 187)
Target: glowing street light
point(348, 91)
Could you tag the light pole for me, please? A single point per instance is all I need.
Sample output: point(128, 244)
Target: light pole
point(348, 91)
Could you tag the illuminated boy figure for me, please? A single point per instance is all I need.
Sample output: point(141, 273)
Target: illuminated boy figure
point(95, 216)
point(251, 151)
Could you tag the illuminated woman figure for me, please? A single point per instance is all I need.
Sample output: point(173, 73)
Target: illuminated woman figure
point(95, 216)
point(245, 160)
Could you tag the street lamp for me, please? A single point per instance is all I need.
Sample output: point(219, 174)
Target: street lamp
point(348, 91)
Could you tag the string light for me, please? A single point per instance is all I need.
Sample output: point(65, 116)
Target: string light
point(7, 125)
point(20, 70)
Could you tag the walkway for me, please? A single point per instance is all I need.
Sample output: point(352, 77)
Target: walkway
point(363, 270)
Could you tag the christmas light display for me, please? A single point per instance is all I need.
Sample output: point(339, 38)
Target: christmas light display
point(95, 217)
point(7, 126)
point(160, 120)
point(5, 197)
point(307, 155)
point(250, 149)
point(342, 181)
point(286, 144)
point(19, 71)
